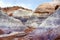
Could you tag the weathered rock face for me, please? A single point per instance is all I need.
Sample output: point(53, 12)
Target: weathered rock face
point(8, 24)
point(10, 10)
point(18, 12)
point(44, 10)
point(21, 13)
point(48, 30)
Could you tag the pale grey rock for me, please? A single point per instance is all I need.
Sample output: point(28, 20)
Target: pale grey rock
point(10, 24)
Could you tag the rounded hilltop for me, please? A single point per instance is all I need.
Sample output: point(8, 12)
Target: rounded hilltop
point(46, 9)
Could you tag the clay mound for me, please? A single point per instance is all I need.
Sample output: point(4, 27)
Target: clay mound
point(10, 10)
point(48, 30)
point(46, 7)
point(10, 24)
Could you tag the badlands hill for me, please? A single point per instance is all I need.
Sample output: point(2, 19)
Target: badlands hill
point(10, 10)
point(46, 30)
point(42, 10)
point(46, 9)
point(9, 23)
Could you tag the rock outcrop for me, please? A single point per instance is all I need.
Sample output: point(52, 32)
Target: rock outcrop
point(48, 30)
point(10, 10)
point(30, 25)
point(9, 24)
point(18, 12)
point(21, 13)
point(46, 9)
